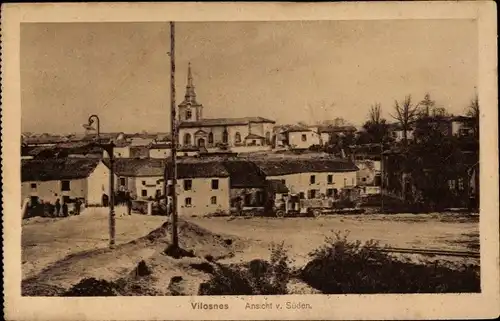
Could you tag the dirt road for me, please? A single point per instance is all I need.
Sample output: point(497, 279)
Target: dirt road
point(46, 241)
point(302, 235)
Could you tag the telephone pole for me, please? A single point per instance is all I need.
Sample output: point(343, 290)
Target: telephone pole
point(173, 120)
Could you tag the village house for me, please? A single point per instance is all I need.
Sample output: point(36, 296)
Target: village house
point(157, 150)
point(397, 132)
point(247, 184)
point(202, 187)
point(312, 178)
point(301, 137)
point(47, 180)
point(329, 132)
point(246, 134)
point(142, 178)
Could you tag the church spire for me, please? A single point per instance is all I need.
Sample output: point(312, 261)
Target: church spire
point(190, 96)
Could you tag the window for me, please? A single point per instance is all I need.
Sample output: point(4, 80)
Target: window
point(188, 184)
point(302, 195)
point(248, 199)
point(65, 186)
point(329, 179)
point(65, 199)
point(158, 182)
point(461, 184)
point(329, 192)
point(213, 200)
point(210, 138)
point(224, 136)
point(304, 137)
point(237, 138)
point(143, 182)
point(189, 114)
point(187, 201)
point(363, 179)
point(122, 181)
point(312, 179)
point(33, 185)
point(451, 184)
point(268, 138)
point(144, 193)
point(312, 194)
point(187, 139)
point(345, 182)
point(215, 184)
point(260, 197)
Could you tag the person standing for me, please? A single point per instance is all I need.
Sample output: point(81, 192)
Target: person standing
point(129, 203)
point(58, 208)
point(78, 205)
point(65, 209)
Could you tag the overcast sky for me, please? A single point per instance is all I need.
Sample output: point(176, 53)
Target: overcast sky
point(286, 71)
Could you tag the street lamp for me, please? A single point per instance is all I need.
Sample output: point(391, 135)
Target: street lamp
point(108, 147)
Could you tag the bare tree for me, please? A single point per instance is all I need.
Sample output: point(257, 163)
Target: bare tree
point(406, 113)
point(375, 114)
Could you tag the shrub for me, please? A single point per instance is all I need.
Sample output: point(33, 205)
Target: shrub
point(92, 287)
point(258, 277)
point(341, 266)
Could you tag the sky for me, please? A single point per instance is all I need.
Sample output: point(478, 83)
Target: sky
point(286, 71)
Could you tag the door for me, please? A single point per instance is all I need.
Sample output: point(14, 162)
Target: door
point(201, 142)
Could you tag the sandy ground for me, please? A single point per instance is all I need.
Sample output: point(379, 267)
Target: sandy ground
point(303, 235)
point(66, 249)
point(48, 240)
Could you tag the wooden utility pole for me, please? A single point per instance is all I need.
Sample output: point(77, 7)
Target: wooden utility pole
point(173, 120)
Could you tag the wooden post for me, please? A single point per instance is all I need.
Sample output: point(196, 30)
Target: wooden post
point(173, 119)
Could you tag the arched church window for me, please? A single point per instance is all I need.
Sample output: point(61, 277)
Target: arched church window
point(210, 138)
point(189, 114)
point(268, 138)
point(225, 136)
point(187, 139)
point(237, 138)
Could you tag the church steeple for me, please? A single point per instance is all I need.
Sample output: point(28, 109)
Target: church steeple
point(190, 109)
point(190, 97)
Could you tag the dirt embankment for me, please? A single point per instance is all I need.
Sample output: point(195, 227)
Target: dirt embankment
point(115, 264)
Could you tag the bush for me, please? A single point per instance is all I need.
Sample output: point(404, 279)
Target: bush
point(341, 266)
point(92, 287)
point(258, 277)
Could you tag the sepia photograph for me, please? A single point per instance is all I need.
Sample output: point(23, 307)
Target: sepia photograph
point(273, 158)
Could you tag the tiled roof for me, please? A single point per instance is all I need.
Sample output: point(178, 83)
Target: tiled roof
point(244, 174)
point(297, 128)
point(254, 136)
point(138, 167)
point(291, 166)
point(160, 146)
point(335, 129)
point(225, 122)
point(277, 186)
point(57, 169)
point(205, 169)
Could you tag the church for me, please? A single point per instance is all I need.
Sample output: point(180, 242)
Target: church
point(246, 134)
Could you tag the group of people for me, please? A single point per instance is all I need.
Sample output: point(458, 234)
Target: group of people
point(62, 210)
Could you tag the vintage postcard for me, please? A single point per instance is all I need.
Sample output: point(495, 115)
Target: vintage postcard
point(259, 161)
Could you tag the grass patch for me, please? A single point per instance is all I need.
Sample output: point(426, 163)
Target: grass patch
point(341, 266)
point(257, 277)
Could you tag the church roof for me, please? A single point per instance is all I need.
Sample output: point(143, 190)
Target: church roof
point(213, 122)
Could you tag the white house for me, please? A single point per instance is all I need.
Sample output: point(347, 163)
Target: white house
point(302, 137)
point(242, 134)
point(311, 178)
point(65, 179)
point(202, 188)
point(162, 151)
point(142, 178)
